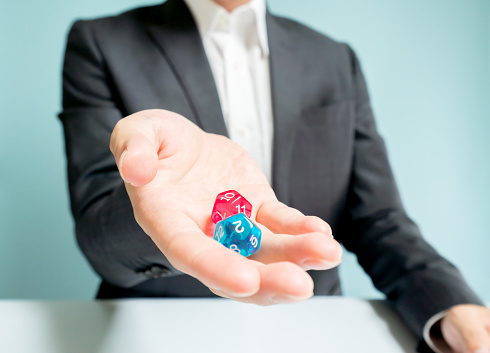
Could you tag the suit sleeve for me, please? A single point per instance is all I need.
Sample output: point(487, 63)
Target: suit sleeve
point(388, 244)
point(107, 233)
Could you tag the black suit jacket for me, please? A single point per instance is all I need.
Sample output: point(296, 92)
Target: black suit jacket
point(329, 160)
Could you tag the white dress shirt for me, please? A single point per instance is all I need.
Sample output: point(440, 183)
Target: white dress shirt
point(238, 52)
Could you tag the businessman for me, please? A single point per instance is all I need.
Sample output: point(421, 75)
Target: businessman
point(295, 105)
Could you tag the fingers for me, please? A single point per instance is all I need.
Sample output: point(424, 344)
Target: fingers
point(313, 246)
point(312, 251)
point(280, 283)
point(280, 218)
point(191, 252)
point(466, 328)
point(225, 272)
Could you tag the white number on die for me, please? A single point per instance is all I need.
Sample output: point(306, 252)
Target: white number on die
point(228, 196)
point(241, 209)
point(219, 233)
point(234, 248)
point(253, 241)
point(238, 228)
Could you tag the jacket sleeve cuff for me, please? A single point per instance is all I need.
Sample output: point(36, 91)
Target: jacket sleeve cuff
point(433, 335)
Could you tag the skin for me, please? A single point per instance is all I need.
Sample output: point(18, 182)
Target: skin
point(172, 182)
point(230, 5)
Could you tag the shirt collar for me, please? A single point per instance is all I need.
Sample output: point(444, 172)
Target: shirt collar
point(207, 13)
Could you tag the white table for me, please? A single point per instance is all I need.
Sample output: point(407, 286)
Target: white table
point(324, 324)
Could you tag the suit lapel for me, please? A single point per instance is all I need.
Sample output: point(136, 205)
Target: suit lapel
point(176, 35)
point(285, 72)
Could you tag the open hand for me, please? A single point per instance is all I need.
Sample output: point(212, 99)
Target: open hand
point(173, 172)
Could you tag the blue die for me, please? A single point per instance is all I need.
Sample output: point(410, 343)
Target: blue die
point(239, 234)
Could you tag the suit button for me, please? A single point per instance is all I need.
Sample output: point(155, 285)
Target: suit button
point(244, 132)
point(222, 23)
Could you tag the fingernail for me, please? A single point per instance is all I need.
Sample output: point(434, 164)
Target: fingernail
point(319, 264)
point(120, 164)
point(241, 295)
point(288, 299)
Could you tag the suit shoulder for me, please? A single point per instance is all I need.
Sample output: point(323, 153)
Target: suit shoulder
point(329, 53)
point(118, 22)
point(111, 35)
point(309, 36)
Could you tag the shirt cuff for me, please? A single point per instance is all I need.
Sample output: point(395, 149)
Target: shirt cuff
point(433, 335)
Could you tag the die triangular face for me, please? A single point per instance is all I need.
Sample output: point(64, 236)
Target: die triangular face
point(229, 203)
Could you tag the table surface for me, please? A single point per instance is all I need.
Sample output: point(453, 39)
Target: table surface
point(324, 324)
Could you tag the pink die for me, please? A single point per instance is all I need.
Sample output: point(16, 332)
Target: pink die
point(230, 203)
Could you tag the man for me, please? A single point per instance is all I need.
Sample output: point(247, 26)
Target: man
point(297, 103)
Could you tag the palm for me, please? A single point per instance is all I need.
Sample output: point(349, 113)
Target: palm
point(176, 170)
point(217, 165)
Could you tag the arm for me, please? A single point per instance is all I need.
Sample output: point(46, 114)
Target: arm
point(388, 244)
point(106, 230)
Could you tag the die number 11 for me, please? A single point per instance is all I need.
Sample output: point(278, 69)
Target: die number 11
point(241, 209)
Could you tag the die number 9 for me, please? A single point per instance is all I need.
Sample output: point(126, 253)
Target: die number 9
point(253, 241)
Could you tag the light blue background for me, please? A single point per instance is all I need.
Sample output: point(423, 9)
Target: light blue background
point(428, 68)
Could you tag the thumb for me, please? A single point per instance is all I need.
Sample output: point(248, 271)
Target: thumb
point(134, 149)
